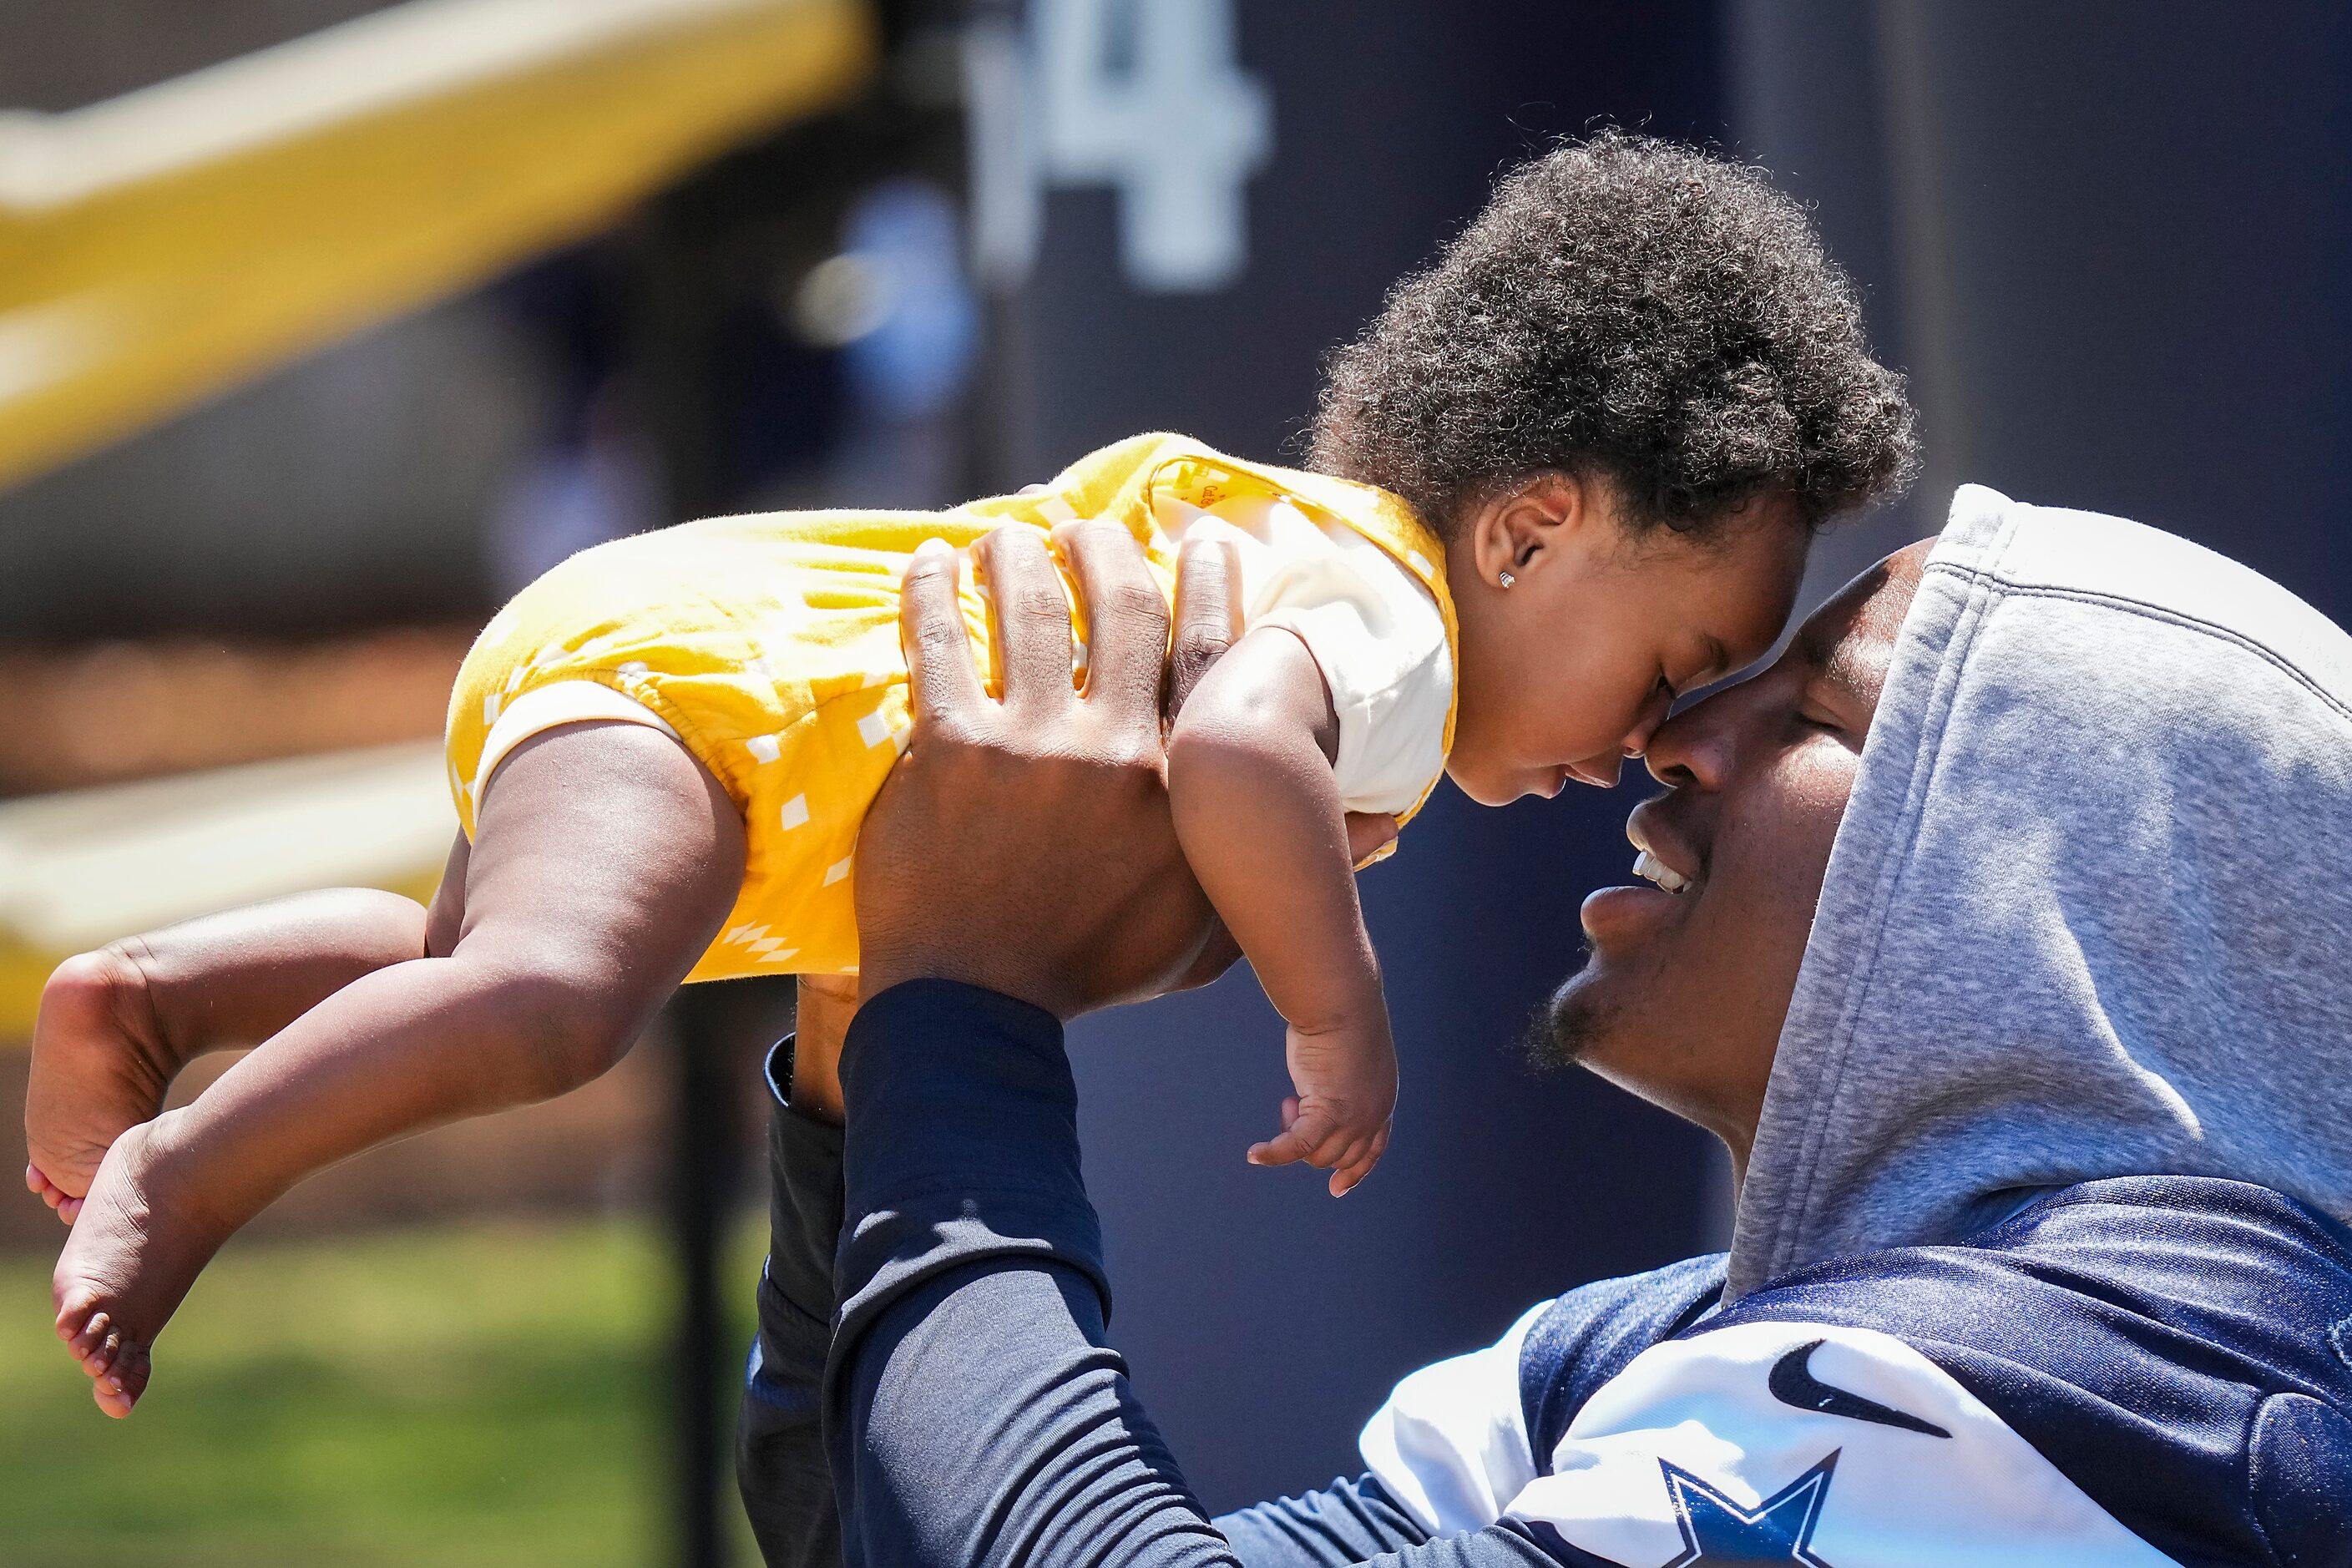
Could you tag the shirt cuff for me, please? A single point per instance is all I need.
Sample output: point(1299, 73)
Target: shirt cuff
point(961, 1146)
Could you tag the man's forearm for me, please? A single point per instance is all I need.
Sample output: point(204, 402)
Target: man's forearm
point(786, 1477)
point(974, 1413)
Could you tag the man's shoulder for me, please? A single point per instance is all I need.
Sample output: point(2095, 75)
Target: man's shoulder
point(2260, 1282)
point(2155, 1369)
point(1591, 1335)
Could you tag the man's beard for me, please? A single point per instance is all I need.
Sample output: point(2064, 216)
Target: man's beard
point(1563, 1031)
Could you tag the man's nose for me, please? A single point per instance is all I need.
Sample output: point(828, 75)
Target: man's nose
point(1690, 748)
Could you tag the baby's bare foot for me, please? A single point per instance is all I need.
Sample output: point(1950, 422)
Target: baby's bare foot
point(134, 1251)
point(97, 1071)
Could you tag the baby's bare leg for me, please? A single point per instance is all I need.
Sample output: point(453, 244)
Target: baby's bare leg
point(116, 1025)
point(604, 859)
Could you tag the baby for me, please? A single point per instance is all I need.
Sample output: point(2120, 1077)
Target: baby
point(1568, 474)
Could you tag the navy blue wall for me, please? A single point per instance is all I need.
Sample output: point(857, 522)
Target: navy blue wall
point(2112, 240)
point(1265, 1320)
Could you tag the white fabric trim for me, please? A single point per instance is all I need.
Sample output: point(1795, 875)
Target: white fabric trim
point(1373, 627)
point(545, 707)
point(1450, 1444)
point(1690, 1437)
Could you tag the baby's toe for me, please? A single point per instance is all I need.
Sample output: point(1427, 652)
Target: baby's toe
point(74, 1312)
point(120, 1389)
point(64, 1203)
point(95, 1345)
point(88, 1347)
point(106, 1360)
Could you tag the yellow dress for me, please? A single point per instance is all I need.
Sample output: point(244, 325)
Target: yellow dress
point(769, 646)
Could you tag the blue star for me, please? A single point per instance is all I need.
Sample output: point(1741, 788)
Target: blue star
point(1778, 1530)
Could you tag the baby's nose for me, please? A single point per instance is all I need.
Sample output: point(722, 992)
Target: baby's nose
point(1653, 713)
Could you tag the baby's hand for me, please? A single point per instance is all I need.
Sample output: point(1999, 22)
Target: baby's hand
point(1338, 1120)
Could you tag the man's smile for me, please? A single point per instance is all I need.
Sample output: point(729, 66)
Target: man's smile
point(1667, 855)
point(1649, 865)
point(1615, 917)
point(1672, 873)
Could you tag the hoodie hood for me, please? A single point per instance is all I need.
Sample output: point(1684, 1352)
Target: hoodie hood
point(2088, 913)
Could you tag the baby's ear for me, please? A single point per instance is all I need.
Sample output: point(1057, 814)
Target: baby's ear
point(1513, 530)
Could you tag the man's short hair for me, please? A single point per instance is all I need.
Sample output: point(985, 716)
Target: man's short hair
point(1631, 308)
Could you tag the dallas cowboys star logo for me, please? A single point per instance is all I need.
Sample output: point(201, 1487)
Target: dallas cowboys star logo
point(1778, 1530)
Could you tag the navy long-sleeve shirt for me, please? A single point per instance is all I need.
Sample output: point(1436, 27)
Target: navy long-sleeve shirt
point(2131, 1373)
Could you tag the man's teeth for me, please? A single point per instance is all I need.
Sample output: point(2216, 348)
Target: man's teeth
point(1648, 865)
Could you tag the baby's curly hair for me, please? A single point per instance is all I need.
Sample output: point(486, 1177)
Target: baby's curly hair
point(1633, 309)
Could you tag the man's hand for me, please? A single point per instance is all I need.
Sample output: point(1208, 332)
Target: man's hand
point(1025, 845)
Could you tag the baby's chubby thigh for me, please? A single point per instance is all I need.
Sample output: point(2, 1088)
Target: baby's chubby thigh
point(805, 789)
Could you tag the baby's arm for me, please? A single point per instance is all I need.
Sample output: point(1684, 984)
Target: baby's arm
point(1258, 813)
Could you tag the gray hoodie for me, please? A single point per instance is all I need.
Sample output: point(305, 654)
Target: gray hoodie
point(2087, 914)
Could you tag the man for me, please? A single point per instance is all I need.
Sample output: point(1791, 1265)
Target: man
point(2005, 956)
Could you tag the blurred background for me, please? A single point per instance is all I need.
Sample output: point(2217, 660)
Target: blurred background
point(325, 324)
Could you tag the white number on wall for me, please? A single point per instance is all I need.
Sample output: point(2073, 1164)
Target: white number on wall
point(1142, 95)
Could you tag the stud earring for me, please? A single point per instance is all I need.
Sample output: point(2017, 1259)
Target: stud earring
point(1505, 578)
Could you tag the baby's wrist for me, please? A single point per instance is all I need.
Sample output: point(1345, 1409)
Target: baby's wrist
point(1361, 1011)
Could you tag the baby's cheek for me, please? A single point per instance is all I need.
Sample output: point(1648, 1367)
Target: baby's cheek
point(1586, 719)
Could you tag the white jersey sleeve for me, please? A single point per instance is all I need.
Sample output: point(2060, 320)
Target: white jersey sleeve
point(1763, 1442)
point(1812, 1444)
point(1450, 1444)
point(1374, 630)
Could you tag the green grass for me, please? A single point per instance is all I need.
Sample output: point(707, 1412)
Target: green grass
point(451, 1398)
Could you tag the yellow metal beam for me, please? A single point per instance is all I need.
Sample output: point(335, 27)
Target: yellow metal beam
point(160, 247)
point(82, 867)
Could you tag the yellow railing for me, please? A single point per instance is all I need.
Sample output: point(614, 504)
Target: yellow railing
point(158, 247)
point(82, 868)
